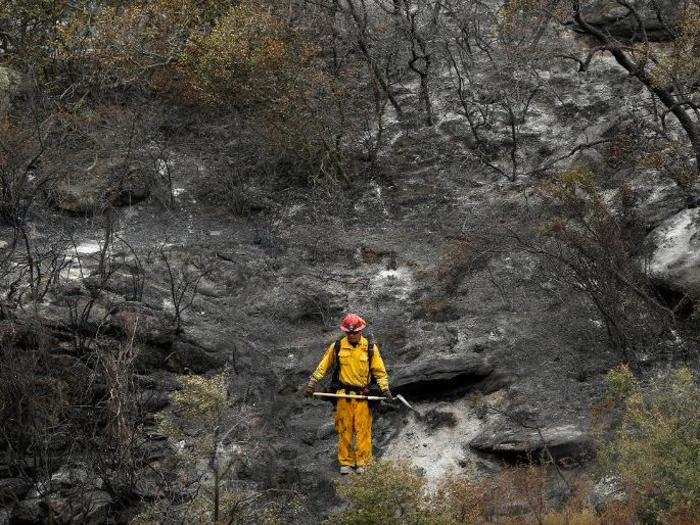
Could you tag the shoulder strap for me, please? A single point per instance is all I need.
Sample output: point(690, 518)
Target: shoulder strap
point(370, 355)
point(336, 367)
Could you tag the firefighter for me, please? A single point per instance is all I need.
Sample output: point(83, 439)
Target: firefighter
point(355, 360)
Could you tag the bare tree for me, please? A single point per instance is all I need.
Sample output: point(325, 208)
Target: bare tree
point(670, 76)
point(418, 25)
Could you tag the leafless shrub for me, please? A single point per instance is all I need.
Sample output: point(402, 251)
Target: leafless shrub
point(588, 247)
point(182, 278)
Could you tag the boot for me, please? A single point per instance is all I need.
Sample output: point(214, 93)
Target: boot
point(345, 470)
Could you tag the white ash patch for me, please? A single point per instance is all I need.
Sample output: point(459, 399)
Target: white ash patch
point(295, 209)
point(168, 305)
point(162, 167)
point(437, 451)
point(609, 197)
point(377, 189)
point(398, 283)
point(178, 191)
point(677, 243)
point(88, 248)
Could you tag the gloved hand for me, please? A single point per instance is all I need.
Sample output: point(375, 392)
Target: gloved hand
point(387, 394)
point(310, 387)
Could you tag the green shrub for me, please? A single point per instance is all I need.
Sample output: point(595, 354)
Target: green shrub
point(387, 493)
point(655, 448)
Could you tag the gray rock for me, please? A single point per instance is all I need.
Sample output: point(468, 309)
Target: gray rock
point(616, 20)
point(565, 441)
point(675, 259)
point(440, 376)
point(104, 184)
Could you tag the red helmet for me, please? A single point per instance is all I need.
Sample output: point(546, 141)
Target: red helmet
point(352, 323)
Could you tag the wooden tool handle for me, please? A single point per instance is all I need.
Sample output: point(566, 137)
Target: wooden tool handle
point(349, 396)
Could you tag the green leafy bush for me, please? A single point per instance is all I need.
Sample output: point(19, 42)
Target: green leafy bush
point(387, 493)
point(655, 448)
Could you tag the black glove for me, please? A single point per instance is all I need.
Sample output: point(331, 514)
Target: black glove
point(310, 387)
point(388, 395)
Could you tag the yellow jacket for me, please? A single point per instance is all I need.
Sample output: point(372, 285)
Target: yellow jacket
point(354, 364)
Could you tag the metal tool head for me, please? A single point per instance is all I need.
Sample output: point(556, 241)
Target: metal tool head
point(406, 403)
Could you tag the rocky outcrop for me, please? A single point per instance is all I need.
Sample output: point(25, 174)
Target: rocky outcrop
point(658, 20)
point(105, 184)
point(433, 377)
point(675, 260)
point(564, 441)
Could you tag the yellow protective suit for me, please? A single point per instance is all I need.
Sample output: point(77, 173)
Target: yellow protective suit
point(353, 418)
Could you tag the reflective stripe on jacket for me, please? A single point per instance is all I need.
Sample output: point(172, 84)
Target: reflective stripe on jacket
point(354, 364)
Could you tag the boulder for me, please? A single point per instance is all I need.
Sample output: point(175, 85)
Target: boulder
point(105, 184)
point(564, 441)
point(658, 19)
point(161, 349)
point(675, 257)
point(441, 376)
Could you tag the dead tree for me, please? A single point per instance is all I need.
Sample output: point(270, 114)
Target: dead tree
point(678, 99)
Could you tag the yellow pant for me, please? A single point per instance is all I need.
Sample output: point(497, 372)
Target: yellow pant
point(353, 417)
